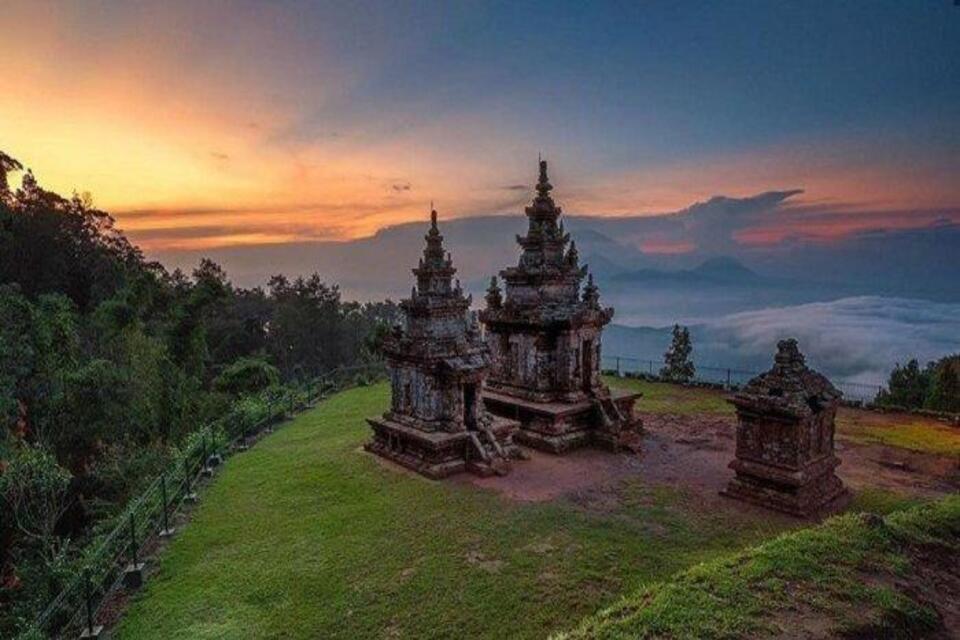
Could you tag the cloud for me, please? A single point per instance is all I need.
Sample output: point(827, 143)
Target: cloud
point(858, 338)
point(712, 225)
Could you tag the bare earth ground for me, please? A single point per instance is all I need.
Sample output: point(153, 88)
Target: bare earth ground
point(691, 452)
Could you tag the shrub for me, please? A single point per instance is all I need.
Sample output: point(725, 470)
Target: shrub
point(247, 375)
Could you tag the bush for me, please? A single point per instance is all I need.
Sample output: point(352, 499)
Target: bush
point(34, 490)
point(247, 375)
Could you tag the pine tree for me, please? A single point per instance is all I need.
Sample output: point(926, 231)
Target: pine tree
point(944, 392)
point(678, 365)
point(907, 386)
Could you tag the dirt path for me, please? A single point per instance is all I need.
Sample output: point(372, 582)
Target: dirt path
point(692, 452)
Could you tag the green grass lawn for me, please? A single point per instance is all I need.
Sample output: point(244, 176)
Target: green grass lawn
point(663, 397)
point(849, 577)
point(895, 430)
point(906, 432)
point(306, 536)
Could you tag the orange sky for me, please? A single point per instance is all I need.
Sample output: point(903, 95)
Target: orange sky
point(190, 147)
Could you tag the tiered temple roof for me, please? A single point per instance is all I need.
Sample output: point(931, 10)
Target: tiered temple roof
point(437, 317)
point(544, 335)
point(545, 285)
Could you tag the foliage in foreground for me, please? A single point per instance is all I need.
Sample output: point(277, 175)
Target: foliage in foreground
point(854, 574)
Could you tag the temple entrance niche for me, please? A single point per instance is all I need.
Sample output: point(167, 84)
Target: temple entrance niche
point(586, 353)
point(544, 336)
point(437, 424)
point(470, 406)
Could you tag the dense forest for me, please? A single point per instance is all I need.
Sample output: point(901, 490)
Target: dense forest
point(108, 362)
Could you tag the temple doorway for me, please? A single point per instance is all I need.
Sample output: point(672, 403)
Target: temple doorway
point(586, 366)
point(470, 406)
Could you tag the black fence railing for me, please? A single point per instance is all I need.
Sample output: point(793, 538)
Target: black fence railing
point(728, 376)
point(120, 555)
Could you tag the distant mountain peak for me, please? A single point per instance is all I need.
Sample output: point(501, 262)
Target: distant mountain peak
point(724, 267)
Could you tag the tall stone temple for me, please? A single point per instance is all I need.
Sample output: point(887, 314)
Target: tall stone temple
point(785, 457)
point(544, 338)
point(437, 424)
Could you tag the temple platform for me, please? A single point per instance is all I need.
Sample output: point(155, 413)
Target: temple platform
point(439, 454)
point(557, 427)
point(798, 492)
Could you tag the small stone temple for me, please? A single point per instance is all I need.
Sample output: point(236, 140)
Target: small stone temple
point(544, 338)
point(785, 458)
point(437, 424)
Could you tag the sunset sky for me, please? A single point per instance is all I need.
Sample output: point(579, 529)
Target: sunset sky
point(212, 124)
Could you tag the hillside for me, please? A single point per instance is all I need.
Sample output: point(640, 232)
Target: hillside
point(308, 536)
point(856, 576)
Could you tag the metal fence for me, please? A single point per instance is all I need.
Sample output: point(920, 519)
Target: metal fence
point(728, 376)
point(119, 556)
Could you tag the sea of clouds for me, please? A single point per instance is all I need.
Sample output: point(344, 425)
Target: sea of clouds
point(859, 338)
point(854, 339)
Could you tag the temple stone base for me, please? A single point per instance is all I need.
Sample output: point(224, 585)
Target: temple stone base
point(558, 427)
point(439, 454)
point(796, 492)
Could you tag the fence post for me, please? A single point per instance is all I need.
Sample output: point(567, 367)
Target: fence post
point(728, 378)
point(133, 540)
point(206, 469)
point(618, 367)
point(133, 576)
point(166, 532)
point(188, 493)
point(650, 365)
point(91, 631)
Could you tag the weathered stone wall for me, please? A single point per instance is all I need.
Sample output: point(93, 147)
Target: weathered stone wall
point(417, 395)
point(445, 326)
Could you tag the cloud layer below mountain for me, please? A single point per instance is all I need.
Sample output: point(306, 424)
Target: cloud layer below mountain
point(853, 339)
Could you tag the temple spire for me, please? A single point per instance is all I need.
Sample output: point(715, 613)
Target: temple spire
point(543, 184)
point(494, 296)
point(591, 294)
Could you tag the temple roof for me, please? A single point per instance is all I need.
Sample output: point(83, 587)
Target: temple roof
point(545, 254)
point(789, 387)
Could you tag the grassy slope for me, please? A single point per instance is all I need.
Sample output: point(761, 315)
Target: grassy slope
point(305, 536)
point(904, 431)
point(845, 576)
point(661, 397)
point(910, 432)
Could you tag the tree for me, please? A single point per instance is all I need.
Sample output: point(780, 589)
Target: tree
point(51, 244)
point(678, 367)
point(34, 490)
point(7, 166)
point(944, 388)
point(907, 386)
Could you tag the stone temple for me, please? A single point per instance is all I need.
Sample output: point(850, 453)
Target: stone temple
point(544, 339)
point(437, 424)
point(785, 458)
